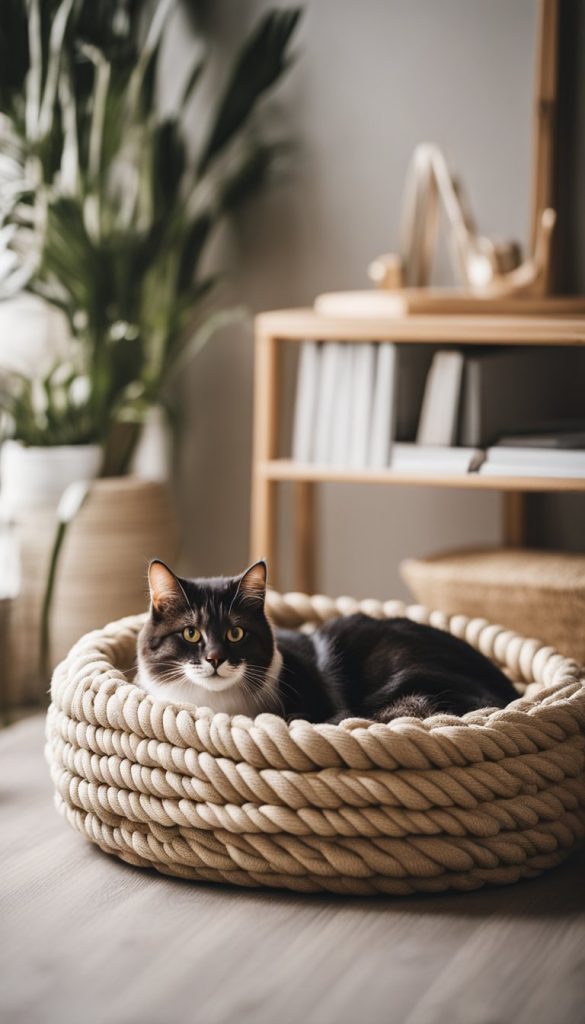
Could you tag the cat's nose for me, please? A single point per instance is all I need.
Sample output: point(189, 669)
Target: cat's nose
point(214, 659)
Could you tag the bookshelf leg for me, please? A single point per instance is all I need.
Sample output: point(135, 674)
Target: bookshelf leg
point(514, 519)
point(304, 534)
point(264, 510)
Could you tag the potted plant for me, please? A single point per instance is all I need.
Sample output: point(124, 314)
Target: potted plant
point(111, 223)
point(52, 439)
point(123, 212)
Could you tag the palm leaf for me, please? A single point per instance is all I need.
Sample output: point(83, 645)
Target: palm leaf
point(147, 57)
point(98, 114)
point(191, 83)
point(251, 173)
point(34, 78)
point(56, 37)
point(194, 239)
point(14, 57)
point(169, 163)
point(260, 64)
point(203, 334)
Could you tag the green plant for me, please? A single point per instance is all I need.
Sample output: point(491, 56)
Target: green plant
point(125, 212)
point(51, 409)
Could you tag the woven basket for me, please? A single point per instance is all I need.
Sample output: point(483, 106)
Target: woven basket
point(539, 591)
point(413, 806)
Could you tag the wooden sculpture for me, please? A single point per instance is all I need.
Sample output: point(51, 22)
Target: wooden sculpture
point(483, 266)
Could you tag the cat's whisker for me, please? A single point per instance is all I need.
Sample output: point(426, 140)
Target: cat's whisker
point(259, 675)
point(257, 672)
point(257, 698)
point(175, 663)
point(175, 678)
point(171, 675)
point(253, 694)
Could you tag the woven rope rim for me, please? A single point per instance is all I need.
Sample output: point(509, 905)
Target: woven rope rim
point(362, 807)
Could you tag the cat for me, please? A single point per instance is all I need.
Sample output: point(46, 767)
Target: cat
point(210, 642)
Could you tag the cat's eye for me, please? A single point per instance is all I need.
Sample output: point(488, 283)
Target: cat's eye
point(191, 634)
point(235, 634)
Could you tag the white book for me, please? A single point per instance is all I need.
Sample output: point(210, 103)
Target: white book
point(361, 413)
point(524, 469)
point(328, 382)
point(440, 406)
point(438, 459)
point(343, 406)
point(548, 458)
point(306, 403)
point(384, 405)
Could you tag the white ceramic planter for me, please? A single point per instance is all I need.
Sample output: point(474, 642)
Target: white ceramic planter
point(32, 478)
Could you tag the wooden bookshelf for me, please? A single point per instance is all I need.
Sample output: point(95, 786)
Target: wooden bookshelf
point(273, 329)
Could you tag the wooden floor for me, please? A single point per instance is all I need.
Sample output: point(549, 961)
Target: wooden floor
point(86, 939)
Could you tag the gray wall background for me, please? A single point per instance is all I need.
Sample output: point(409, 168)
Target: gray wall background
point(372, 80)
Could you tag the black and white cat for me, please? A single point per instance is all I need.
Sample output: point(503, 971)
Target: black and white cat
point(209, 642)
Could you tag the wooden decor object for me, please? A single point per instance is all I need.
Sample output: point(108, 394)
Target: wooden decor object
point(387, 271)
point(486, 269)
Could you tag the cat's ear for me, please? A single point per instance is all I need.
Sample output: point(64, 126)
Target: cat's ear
point(165, 588)
point(252, 584)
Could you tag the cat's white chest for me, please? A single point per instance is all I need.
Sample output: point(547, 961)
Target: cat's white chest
point(237, 700)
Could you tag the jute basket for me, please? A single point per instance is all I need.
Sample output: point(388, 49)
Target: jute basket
point(102, 568)
point(538, 591)
point(413, 806)
point(101, 573)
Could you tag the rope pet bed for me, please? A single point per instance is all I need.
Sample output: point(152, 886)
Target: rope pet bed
point(412, 806)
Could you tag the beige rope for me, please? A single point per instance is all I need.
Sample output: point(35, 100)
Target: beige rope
point(443, 803)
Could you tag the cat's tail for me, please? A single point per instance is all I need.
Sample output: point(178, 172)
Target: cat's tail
point(410, 706)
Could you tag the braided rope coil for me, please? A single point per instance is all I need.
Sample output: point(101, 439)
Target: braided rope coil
point(444, 803)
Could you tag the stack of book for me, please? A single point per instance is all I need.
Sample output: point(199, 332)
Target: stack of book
point(555, 452)
point(424, 409)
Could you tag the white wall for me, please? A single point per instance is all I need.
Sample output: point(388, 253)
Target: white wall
point(373, 78)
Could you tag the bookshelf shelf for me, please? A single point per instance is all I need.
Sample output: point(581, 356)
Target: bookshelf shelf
point(287, 469)
point(273, 329)
point(479, 329)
